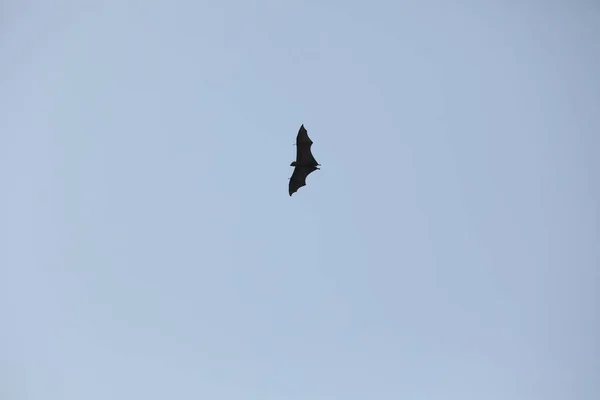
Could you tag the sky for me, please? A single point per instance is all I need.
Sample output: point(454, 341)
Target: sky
point(447, 248)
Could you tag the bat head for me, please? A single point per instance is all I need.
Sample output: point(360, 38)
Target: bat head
point(293, 164)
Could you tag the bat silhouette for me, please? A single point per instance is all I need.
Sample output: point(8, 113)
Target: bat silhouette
point(305, 162)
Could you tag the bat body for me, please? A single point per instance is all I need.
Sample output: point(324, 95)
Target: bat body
point(305, 162)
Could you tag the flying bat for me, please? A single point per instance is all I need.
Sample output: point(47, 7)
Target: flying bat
point(305, 163)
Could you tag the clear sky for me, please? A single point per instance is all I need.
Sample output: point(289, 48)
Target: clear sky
point(447, 249)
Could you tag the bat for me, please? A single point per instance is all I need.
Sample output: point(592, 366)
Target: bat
point(305, 163)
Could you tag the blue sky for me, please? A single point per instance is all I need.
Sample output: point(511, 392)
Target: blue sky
point(447, 249)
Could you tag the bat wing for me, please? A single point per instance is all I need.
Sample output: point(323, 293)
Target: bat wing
point(303, 148)
point(298, 178)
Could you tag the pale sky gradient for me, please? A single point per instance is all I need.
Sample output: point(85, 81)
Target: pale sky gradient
point(449, 248)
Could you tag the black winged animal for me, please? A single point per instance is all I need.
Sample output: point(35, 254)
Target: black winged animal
point(305, 162)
